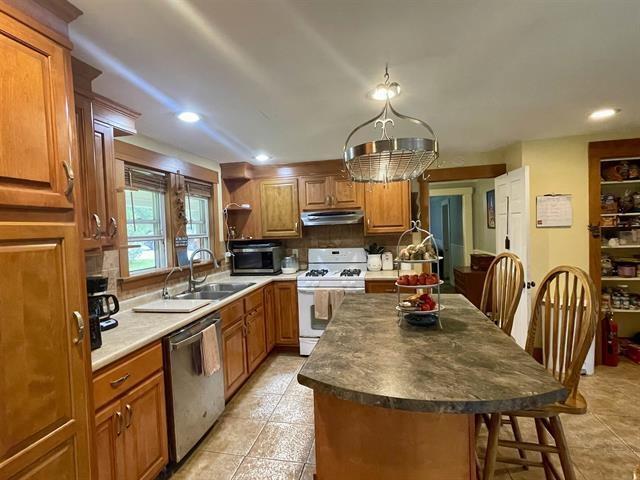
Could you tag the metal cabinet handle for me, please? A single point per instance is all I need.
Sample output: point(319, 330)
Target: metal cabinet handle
point(68, 170)
point(120, 381)
point(98, 231)
point(244, 330)
point(296, 227)
point(113, 224)
point(333, 200)
point(326, 200)
point(118, 418)
point(129, 412)
point(368, 222)
point(79, 326)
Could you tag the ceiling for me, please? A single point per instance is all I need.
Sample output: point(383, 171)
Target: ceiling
point(289, 77)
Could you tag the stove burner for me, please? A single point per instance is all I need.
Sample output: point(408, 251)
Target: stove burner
point(317, 273)
point(350, 272)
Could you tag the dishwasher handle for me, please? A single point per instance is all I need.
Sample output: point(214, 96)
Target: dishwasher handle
point(192, 333)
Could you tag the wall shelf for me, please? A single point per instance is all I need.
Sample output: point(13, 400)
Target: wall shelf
point(631, 214)
point(622, 310)
point(620, 279)
point(619, 182)
point(606, 247)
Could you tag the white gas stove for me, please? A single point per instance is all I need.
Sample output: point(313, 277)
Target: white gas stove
point(330, 269)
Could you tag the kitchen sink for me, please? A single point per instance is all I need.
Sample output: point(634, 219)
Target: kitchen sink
point(213, 291)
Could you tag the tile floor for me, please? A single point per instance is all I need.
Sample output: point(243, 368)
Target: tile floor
point(266, 431)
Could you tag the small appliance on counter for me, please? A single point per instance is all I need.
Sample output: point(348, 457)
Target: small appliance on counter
point(290, 264)
point(101, 306)
point(387, 261)
point(256, 258)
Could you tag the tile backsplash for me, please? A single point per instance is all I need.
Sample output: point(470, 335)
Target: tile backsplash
point(107, 264)
point(337, 236)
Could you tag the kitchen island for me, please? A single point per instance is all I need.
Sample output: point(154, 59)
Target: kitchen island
point(398, 402)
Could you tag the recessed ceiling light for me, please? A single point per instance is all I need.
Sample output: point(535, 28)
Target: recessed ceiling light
point(189, 117)
point(382, 91)
point(262, 157)
point(603, 113)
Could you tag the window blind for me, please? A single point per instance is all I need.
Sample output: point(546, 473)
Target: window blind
point(200, 189)
point(143, 179)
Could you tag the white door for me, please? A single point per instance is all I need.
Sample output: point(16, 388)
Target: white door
point(512, 234)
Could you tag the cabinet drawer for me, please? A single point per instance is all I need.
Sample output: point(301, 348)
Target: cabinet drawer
point(384, 286)
point(231, 313)
point(112, 381)
point(253, 300)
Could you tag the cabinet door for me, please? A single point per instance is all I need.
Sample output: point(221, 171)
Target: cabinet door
point(256, 338)
point(279, 206)
point(315, 193)
point(36, 108)
point(380, 286)
point(270, 317)
point(145, 429)
point(234, 353)
point(44, 347)
point(387, 208)
point(286, 301)
point(109, 442)
point(345, 193)
point(104, 188)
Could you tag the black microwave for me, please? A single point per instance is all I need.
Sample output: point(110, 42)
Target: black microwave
point(256, 258)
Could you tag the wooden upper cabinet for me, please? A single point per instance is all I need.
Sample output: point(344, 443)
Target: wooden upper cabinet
point(329, 192)
point(36, 143)
point(43, 386)
point(346, 194)
point(286, 310)
point(279, 207)
point(387, 208)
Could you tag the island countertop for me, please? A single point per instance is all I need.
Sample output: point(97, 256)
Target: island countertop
point(470, 366)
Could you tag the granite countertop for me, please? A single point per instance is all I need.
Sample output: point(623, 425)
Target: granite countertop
point(470, 366)
point(136, 330)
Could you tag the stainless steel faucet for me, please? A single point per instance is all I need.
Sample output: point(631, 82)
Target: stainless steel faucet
point(192, 279)
point(165, 289)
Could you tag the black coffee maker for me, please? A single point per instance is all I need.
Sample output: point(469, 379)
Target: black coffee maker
point(101, 306)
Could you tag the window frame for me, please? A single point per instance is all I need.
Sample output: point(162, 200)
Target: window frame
point(177, 172)
point(163, 217)
point(208, 219)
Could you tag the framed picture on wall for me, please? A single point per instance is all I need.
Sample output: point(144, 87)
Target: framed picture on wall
point(491, 209)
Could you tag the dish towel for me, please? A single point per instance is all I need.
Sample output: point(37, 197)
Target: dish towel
point(335, 300)
point(209, 351)
point(321, 304)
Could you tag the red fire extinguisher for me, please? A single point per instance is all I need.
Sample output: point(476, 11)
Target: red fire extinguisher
point(610, 354)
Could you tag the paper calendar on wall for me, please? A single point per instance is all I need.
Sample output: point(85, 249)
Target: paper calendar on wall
point(554, 211)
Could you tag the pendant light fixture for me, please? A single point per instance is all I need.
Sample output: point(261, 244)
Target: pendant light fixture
point(390, 159)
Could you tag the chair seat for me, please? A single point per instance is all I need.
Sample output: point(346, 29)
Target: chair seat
point(576, 405)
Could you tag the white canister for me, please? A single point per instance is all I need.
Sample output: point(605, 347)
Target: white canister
point(374, 262)
point(387, 261)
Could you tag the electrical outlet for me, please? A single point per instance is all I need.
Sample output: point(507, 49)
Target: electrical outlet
point(294, 252)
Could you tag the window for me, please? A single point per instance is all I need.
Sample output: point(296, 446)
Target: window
point(146, 220)
point(197, 206)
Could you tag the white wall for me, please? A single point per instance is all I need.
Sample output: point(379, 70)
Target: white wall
point(156, 146)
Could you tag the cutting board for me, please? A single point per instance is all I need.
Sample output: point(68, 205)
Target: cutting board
point(171, 306)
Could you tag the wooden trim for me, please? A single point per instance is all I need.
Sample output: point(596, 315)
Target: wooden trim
point(45, 16)
point(83, 75)
point(121, 118)
point(284, 170)
point(466, 173)
point(130, 153)
point(598, 151)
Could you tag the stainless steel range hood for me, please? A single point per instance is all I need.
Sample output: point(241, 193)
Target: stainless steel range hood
point(331, 217)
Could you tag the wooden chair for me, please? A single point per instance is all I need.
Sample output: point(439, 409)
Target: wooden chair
point(564, 317)
point(502, 290)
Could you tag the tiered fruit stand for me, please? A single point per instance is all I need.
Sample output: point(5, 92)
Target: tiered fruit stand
point(415, 316)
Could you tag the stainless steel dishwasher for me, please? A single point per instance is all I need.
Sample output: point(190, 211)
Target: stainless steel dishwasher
point(194, 402)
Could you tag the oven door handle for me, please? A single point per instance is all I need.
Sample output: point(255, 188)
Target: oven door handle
point(346, 290)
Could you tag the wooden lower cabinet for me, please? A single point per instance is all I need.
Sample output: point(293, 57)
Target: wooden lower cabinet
point(286, 313)
point(470, 283)
point(234, 357)
point(131, 430)
point(256, 338)
point(270, 317)
point(44, 398)
point(380, 286)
